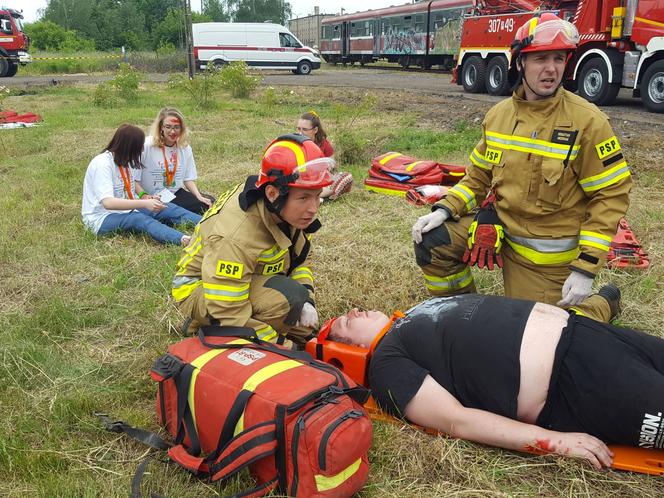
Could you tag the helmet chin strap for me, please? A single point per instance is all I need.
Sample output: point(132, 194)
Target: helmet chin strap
point(278, 204)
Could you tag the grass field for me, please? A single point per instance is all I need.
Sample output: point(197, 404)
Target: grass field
point(83, 318)
point(96, 62)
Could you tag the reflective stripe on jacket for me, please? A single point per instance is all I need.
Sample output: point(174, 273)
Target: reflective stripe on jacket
point(229, 247)
point(559, 175)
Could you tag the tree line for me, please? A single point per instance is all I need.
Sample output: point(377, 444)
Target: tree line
point(73, 25)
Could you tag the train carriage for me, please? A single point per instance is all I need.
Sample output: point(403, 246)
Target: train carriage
point(423, 34)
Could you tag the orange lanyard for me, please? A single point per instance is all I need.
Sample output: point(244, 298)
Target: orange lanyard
point(170, 174)
point(126, 179)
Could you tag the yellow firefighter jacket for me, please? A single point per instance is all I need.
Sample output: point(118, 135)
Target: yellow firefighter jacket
point(560, 178)
point(229, 247)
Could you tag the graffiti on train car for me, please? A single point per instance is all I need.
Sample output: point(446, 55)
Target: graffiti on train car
point(404, 42)
point(446, 38)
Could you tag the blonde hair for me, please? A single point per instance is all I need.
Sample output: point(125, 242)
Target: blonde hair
point(156, 132)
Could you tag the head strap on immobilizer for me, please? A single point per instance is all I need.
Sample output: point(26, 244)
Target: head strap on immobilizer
point(350, 359)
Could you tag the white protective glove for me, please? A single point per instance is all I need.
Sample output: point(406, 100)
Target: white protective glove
point(576, 288)
point(308, 316)
point(432, 190)
point(428, 222)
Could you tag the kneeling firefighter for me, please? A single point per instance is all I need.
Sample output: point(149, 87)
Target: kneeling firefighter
point(246, 264)
point(558, 185)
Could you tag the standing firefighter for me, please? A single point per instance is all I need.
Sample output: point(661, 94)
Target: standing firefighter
point(557, 182)
point(246, 264)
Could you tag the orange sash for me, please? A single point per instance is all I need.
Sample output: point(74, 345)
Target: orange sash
point(170, 174)
point(126, 179)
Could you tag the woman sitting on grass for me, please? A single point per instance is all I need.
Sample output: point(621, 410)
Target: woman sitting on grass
point(310, 126)
point(113, 199)
point(169, 163)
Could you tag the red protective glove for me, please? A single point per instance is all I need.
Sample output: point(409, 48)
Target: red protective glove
point(485, 239)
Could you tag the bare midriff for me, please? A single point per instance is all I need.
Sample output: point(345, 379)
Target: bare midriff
point(538, 348)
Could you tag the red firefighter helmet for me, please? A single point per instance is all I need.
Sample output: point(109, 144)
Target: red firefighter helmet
point(546, 32)
point(295, 161)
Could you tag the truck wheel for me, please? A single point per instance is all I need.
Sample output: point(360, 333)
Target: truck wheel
point(594, 83)
point(304, 67)
point(497, 82)
point(473, 74)
point(652, 87)
point(12, 69)
point(4, 67)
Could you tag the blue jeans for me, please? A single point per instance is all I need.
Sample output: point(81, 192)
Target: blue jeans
point(144, 221)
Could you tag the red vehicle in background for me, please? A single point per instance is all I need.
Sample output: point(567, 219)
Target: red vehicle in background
point(421, 34)
point(621, 45)
point(14, 43)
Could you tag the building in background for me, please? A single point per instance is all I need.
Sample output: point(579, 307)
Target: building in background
point(307, 29)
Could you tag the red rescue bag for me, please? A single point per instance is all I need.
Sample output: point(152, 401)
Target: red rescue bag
point(397, 167)
point(234, 402)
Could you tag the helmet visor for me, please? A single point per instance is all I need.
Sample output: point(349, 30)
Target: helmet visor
point(546, 32)
point(314, 174)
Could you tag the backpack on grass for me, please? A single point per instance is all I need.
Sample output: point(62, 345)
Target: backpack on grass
point(231, 401)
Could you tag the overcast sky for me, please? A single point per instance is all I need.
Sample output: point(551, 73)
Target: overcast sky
point(300, 7)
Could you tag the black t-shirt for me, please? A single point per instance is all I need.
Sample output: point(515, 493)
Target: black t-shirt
point(469, 344)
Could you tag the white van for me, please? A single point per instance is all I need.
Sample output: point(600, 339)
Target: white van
point(262, 45)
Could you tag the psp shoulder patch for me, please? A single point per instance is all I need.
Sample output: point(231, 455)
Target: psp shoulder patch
point(230, 269)
point(607, 147)
point(493, 155)
point(273, 268)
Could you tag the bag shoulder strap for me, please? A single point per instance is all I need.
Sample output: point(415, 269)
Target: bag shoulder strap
point(148, 438)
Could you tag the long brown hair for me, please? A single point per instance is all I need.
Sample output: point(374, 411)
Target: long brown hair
point(127, 146)
point(312, 117)
point(156, 132)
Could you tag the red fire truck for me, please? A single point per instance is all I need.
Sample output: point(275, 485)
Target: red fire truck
point(14, 42)
point(621, 45)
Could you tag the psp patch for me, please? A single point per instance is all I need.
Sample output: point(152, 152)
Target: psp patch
point(493, 156)
point(229, 269)
point(274, 268)
point(607, 147)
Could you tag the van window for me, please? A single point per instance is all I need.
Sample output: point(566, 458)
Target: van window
point(287, 40)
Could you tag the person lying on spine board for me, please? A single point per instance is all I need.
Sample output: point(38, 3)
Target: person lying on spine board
point(516, 374)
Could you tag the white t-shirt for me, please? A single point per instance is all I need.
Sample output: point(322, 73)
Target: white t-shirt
point(153, 175)
point(103, 180)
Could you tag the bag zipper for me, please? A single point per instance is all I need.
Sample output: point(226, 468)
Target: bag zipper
point(162, 403)
point(350, 414)
point(323, 393)
point(299, 427)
